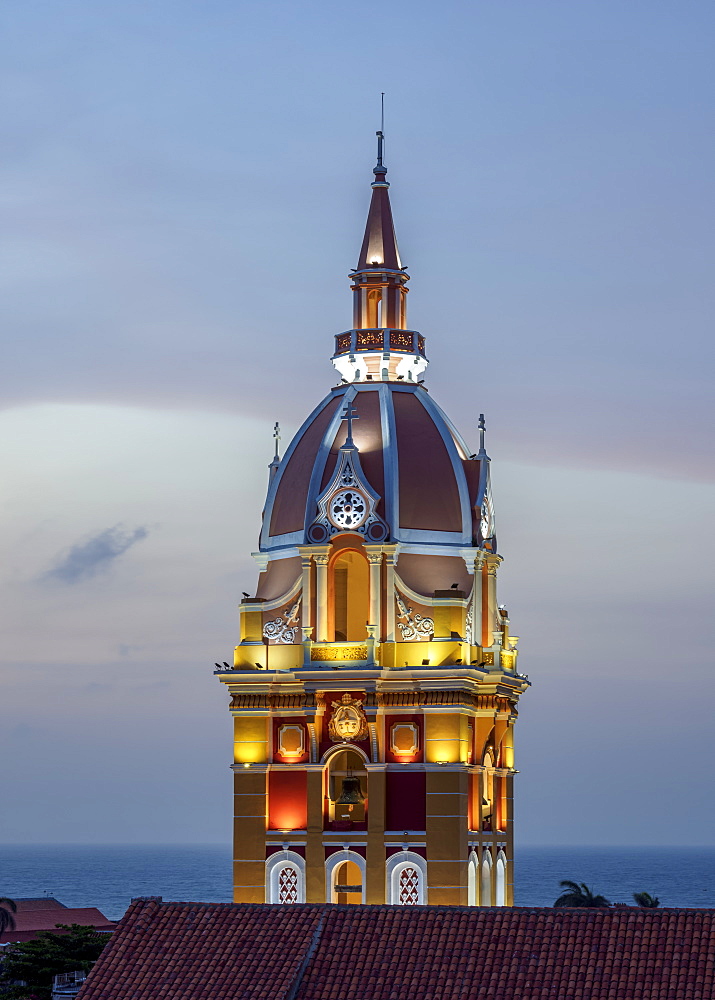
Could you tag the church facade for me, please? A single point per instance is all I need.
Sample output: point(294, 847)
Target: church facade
point(374, 689)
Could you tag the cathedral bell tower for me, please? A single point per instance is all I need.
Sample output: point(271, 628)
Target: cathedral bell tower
point(374, 688)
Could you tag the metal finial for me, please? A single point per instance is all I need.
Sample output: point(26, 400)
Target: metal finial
point(277, 436)
point(350, 413)
point(482, 431)
point(381, 136)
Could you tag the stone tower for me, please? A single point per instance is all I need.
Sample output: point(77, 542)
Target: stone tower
point(374, 689)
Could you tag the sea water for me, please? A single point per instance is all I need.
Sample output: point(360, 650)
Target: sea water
point(109, 876)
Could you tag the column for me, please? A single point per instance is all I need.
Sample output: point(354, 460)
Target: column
point(321, 611)
point(375, 876)
point(307, 610)
point(314, 853)
point(477, 601)
point(447, 835)
point(489, 604)
point(390, 560)
point(374, 558)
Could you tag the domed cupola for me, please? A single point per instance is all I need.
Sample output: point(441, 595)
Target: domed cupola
point(379, 511)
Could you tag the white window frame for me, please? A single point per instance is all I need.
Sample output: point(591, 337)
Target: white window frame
point(395, 866)
point(274, 865)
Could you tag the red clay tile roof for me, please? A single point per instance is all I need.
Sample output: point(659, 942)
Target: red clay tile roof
point(212, 951)
point(38, 903)
point(29, 922)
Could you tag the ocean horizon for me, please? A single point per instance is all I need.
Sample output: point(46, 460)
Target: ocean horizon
point(108, 876)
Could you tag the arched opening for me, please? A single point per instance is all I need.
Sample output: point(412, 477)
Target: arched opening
point(406, 879)
point(472, 887)
point(347, 780)
point(374, 308)
point(486, 893)
point(351, 596)
point(488, 803)
point(348, 883)
point(285, 878)
point(501, 880)
point(345, 877)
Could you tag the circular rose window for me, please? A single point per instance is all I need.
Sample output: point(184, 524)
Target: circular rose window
point(348, 509)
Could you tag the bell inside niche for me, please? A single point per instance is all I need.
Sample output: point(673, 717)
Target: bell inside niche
point(351, 793)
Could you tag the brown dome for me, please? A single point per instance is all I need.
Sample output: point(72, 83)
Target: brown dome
point(425, 484)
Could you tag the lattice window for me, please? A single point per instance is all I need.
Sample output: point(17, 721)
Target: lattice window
point(288, 885)
point(400, 340)
point(369, 338)
point(409, 887)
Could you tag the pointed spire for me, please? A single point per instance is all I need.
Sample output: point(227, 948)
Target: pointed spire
point(379, 346)
point(379, 246)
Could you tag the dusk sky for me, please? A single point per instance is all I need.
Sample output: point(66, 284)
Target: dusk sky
point(183, 190)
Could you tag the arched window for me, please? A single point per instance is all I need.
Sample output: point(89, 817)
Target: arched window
point(346, 765)
point(409, 886)
point(486, 894)
point(285, 878)
point(488, 804)
point(288, 884)
point(406, 879)
point(345, 877)
point(472, 879)
point(351, 596)
point(501, 879)
point(374, 308)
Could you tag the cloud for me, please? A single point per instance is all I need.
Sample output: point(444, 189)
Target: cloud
point(85, 559)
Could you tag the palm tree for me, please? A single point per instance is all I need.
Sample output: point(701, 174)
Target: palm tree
point(579, 894)
point(7, 908)
point(645, 900)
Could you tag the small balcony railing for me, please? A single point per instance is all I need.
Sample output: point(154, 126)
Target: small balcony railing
point(379, 339)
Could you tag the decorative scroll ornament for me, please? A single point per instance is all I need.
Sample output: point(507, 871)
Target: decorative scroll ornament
point(284, 629)
point(348, 502)
point(414, 626)
point(469, 623)
point(348, 722)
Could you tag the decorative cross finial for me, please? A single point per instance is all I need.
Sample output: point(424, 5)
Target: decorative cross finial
point(482, 430)
point(349, 414)
point(277, 436)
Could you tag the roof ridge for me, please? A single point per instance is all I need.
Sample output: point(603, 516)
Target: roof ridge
point(310, 951)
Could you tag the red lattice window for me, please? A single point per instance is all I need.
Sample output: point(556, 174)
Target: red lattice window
point(288, 885)
point(421, 345)
point(409, 887)
point(342, 343)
